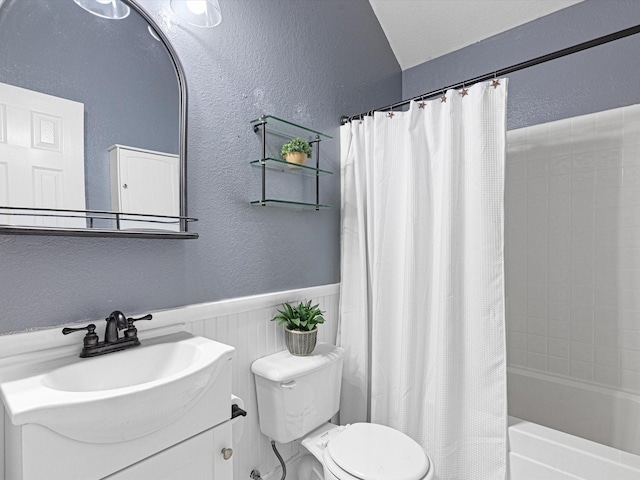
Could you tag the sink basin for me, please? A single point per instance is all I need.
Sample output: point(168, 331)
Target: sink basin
point(118, 396)
point(133, 367)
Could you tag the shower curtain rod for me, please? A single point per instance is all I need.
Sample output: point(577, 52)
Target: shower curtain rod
point(505, 71)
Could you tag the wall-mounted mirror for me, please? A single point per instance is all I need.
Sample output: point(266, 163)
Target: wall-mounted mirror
point(92, 123)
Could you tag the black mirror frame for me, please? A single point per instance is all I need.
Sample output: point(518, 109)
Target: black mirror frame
point(184, 219)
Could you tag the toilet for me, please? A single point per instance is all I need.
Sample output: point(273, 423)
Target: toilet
point(297, 396)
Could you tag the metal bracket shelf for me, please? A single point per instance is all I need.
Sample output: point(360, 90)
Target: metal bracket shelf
point(287, 167)
point(275, 125)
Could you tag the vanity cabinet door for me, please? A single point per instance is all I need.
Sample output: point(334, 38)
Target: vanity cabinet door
point(198, 458)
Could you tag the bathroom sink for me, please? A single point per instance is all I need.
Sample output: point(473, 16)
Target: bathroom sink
point(134, 367)
point(118, 396)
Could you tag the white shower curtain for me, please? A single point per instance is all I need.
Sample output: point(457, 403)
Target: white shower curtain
point(422, 295)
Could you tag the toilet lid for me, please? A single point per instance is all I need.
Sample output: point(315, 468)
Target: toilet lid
point(376, 452)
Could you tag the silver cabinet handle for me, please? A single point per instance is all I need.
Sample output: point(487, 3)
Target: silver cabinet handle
point(227, 453)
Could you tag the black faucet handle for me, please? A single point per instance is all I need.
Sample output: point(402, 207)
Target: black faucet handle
point(132, 331)
point(130, 321)
point(90, 339)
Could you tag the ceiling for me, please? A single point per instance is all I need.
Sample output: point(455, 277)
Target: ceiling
point(421, 30)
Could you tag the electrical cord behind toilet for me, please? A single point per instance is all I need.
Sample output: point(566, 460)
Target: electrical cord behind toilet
point(255, 474)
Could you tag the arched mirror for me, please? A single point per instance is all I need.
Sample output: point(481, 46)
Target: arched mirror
point(93, 114)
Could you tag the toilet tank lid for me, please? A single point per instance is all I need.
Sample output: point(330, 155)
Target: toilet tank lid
point(283, 367)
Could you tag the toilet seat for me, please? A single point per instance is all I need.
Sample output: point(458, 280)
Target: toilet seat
point(367, 451)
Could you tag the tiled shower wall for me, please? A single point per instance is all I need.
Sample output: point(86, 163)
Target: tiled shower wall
point(572, 241)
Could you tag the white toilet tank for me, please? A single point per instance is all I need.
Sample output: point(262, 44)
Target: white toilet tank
point(297, 394)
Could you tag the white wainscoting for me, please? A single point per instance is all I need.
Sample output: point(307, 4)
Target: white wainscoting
point(241, 322)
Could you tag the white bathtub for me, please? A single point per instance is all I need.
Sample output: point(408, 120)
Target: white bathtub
point(541, 453)
point(561, 429)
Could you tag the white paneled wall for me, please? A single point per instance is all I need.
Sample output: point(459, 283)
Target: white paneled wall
point(572, 239)
point(243, 323)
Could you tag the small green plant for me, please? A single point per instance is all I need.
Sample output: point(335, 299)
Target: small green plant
point(302, 317)
point(296, 145)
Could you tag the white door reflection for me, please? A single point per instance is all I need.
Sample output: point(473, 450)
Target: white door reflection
point(41, 157)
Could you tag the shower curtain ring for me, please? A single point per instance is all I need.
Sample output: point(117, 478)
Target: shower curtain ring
point(443, 97)
point(421, 104)
point(391, 114)
point(465, 91)
point(495, 82)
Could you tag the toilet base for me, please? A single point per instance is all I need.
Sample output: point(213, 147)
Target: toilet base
point(309, 468)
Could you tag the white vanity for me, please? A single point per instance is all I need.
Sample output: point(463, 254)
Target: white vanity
point(158, 411)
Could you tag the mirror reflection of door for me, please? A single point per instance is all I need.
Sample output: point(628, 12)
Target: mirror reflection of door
point(41, 157)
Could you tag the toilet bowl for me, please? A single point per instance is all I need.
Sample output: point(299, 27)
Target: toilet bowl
point(296, 398)
point(367, 451)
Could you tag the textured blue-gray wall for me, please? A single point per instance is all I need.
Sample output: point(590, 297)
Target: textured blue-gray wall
point(598, 79)
point(124, 78)
point(307, 60)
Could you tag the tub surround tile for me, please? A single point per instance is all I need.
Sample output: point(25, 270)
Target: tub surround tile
point(582, 352)
point(606, 336)
point(607, 356)
point(537, 344)
point(630, 340)
point(517, 340)
point(517, 323)
point(537, 308)
point(559, 347)
point(581, 370)
point(573, 243)
point(537, 326)
point(629, 320)
point(630, 380)
point(537, 361)
point(517, 357)
point(607, 375)
point(582, 333)
point(630, 360)
point(559, 329)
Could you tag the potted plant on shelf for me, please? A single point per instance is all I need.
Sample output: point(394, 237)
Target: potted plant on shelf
point(296, 151)
point(300, 326)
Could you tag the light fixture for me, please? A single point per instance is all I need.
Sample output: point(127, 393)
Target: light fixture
point(111, 9)
point(200, 13)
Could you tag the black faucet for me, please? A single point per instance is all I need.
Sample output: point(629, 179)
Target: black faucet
point(116, 321)
point(112, 343)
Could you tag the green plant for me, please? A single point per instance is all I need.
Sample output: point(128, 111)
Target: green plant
point(296, 145)
point(303, 316)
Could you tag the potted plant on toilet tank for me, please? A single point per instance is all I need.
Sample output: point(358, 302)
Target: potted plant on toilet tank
point(300, 326)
